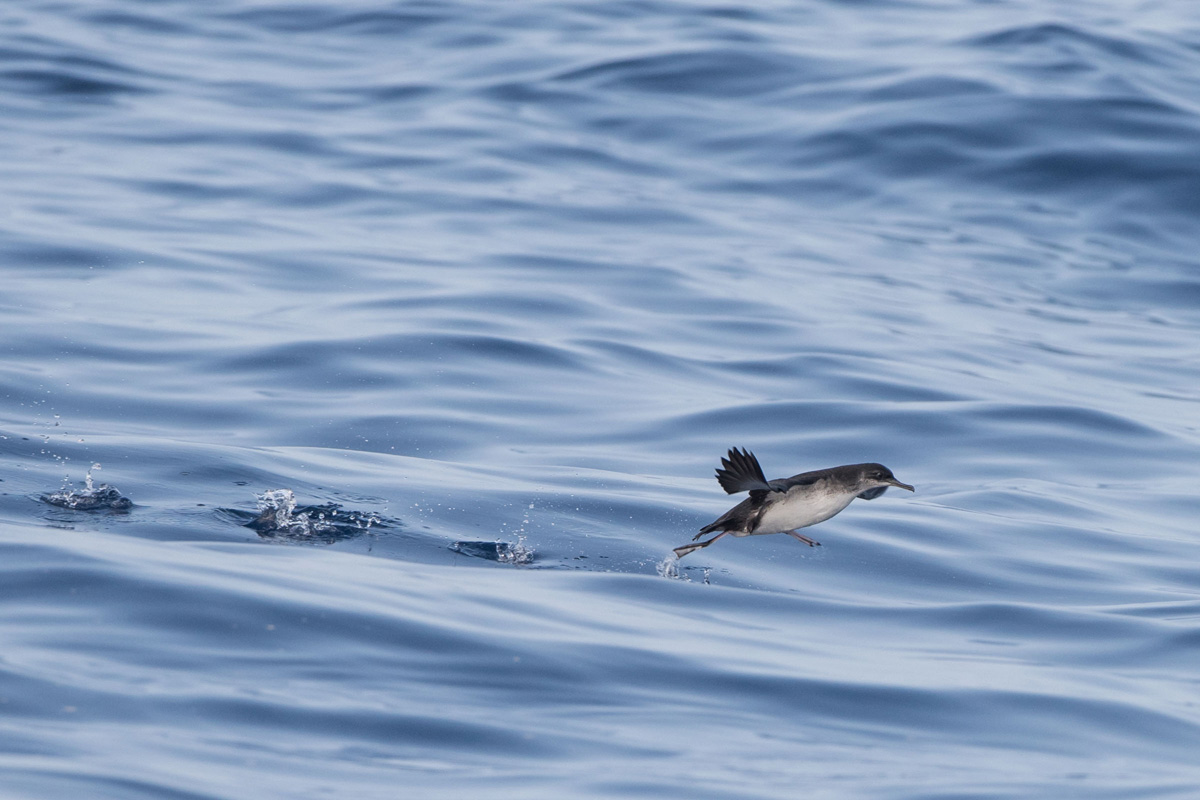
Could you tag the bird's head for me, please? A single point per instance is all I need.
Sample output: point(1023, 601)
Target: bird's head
point(877, 475)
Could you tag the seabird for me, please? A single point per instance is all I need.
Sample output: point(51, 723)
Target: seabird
point(786, 504)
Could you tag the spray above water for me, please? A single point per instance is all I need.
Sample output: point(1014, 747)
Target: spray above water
point(276, 511)
point(518, 554)
point(90, 497)
point(669, 568)
point(280, 518)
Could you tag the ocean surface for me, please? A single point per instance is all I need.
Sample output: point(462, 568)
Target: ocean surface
point(485, 291)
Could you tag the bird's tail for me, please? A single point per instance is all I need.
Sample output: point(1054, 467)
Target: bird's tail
point(740, 472)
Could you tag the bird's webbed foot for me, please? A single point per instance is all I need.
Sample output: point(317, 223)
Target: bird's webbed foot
point(803, 538)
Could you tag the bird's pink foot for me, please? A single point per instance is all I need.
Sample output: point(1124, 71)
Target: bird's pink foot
point(804, 539)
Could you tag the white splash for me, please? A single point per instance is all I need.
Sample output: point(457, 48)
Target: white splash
point(279, 505)
point(87, 479)
point(669, 568)
point(91, 497)
point(279, 515)
point(518, 554)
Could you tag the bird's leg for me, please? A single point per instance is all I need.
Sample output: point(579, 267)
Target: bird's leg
point(803, 538)
point(680, 552)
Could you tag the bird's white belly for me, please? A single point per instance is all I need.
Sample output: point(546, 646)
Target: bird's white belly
point(801, 509)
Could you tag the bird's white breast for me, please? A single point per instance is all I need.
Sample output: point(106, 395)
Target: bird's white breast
point(800, 507)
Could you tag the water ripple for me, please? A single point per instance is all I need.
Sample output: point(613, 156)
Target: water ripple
point(509, 280)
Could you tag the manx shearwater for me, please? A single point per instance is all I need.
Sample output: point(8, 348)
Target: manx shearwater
point(786, 504)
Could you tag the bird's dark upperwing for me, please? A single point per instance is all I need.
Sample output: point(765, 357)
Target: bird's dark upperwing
point(741, 473)
point(871, 494)
point(803, 479)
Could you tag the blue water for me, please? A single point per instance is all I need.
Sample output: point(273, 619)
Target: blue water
point(502, 282)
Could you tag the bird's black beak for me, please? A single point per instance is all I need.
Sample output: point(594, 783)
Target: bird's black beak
point(900, 485)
